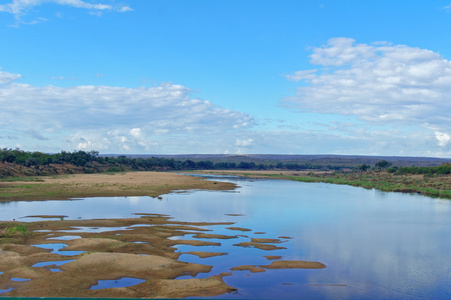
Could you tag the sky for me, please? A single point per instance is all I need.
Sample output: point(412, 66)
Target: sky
point(226, 76)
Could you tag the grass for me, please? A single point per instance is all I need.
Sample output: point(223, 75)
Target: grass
point(429, 185)
point(16, 178)
point(13, 232)
point(384, 182)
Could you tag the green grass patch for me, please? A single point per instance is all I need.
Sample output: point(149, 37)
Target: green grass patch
point(7, 195)
point(13, 232)
point(12, 179)
point(376, 181)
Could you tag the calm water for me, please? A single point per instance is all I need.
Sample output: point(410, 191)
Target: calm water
point(375, 245)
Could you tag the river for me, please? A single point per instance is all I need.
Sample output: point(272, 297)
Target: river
point(376, 245)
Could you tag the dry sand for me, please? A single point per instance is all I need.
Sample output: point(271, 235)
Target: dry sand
point(62, 187)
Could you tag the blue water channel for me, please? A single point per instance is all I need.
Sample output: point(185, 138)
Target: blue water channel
point(375, 245)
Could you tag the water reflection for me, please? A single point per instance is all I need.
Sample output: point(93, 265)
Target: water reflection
point(118, 283)
point(20, 279)
point(56, 248)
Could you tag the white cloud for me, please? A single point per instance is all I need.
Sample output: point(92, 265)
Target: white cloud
point(244, 143)
point(301, 75)
point(442, 138)
point(136, 132)
point(106, 117)
point(377, 83)
point(20, 8)
point(6, 77)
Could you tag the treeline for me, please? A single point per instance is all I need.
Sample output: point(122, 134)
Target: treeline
point(172, 164)
point(443, 169)
point(440, 170)
point(92, 162)
point(29, 159)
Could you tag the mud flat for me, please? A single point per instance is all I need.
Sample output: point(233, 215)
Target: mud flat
point(57, 259)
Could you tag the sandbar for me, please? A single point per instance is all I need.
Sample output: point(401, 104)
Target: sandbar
point(62, 187)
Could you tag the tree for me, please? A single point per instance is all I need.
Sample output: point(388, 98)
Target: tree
point(363, 168)
point(383, 164)
point(189, 164)
point(7, 156)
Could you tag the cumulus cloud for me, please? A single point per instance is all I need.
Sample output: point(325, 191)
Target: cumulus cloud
point(20, 8)
point(442, 138)
point(244, 142)
point(6, 77)
point(301, 75)
point(377, 83)
point(136, 132)
point(106, 117)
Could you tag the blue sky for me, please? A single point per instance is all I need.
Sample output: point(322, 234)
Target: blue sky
point(177, 77)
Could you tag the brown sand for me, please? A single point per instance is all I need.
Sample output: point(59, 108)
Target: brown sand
point(266, 241)
point(238, 229)
point(61, 187)
point(272, 257)
point(294, 264)
point(214, 236)
point(252, 269)
point(259, 246)
point(202, 254)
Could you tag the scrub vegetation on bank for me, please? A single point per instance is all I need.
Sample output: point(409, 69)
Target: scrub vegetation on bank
point(429, 183)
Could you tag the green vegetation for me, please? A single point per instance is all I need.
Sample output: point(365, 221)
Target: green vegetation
point(440, 170)
point(13, 232)
point(438, 186)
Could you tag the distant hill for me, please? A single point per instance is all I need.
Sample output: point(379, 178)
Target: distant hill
point(323, 159)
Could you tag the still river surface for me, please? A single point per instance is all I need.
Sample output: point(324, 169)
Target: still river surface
point(375, 245)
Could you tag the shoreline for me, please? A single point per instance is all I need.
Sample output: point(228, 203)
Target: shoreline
point(438, 186)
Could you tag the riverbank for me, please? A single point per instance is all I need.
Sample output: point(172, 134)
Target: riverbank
point(64, 187)
point(429, 185)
